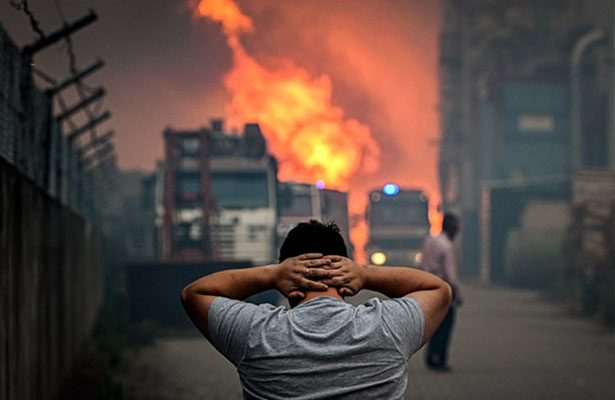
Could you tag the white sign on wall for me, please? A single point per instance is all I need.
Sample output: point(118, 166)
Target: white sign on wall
point(535, 123)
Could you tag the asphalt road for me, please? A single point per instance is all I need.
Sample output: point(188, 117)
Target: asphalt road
point(507, 344)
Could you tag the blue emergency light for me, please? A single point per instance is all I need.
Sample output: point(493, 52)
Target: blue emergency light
point(390, 189)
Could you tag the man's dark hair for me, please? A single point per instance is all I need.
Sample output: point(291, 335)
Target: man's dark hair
point(449, 222)
point(313, 237)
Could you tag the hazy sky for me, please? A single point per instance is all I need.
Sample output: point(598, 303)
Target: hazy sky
point(165, 67)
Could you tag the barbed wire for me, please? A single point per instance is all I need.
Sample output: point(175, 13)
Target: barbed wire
point(107, 175)
point(23, 6)
point(82, 89)
point(52, 81)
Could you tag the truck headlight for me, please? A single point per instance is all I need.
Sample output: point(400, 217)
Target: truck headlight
point(379, 258)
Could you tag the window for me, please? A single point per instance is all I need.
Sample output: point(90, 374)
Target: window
point(234, 190)
point(300, 205)
point(188, 186)
point(190, 145)
point(399, 213)
point(189, 164)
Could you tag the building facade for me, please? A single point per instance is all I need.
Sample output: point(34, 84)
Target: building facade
point(526, 99)
point(187, 197)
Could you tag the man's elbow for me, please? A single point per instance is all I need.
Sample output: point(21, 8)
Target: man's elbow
point(185, 295)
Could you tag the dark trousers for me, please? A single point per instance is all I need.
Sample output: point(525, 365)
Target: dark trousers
point(437, 348)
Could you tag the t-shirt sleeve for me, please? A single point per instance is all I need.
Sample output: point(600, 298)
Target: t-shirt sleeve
point(404, 319)
point(229, 324)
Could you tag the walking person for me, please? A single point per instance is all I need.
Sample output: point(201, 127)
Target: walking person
point(439, 259)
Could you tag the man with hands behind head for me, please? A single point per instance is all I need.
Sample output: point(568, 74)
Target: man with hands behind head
point(322, 347)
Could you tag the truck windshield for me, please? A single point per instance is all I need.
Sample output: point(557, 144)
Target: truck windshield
point(299, 205)
point(399, 213)
point(234, 190)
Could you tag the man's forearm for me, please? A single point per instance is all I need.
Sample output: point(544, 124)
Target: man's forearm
point(234, 283)
point(400, 281)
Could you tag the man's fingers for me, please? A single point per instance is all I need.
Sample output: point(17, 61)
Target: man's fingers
point(316, 263)
point(334, 258)
point(334, 265)
point(315, 273)
point(331, 266)
point(309, 256)
point(313, 285)
point(318, 273)
point(337, 264)
point(337, 281)
point(296, 295)
point(344, 291)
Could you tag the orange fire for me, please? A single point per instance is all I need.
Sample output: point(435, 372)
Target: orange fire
point(226, 12)
point(311, 138)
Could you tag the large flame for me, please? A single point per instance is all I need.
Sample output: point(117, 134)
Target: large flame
point(310, 137)
point(226, 12)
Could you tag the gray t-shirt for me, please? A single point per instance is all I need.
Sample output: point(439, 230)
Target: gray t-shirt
point(324, 348)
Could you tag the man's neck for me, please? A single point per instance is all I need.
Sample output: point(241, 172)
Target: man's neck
point(331, 292)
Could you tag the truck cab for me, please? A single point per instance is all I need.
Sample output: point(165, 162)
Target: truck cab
point(398, 225)
point(244, 188)
point(300, 202)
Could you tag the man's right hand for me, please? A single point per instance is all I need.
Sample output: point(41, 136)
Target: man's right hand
point(350, 277)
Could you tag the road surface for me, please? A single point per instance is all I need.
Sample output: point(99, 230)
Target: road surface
point(507, 344)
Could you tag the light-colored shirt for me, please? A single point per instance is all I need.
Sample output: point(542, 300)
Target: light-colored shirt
point(324, 348)
point(439, 259)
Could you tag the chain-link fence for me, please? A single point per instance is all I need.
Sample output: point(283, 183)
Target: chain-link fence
point(34, 141)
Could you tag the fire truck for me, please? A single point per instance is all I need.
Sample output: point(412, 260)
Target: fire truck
point(398, 224)
point(244, 187)
point(216, 208)
point(301, 202)
point(220, 196)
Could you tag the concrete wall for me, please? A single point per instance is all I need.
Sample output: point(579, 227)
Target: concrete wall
point(50, 288)
point(154, 289)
